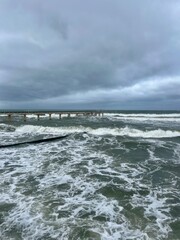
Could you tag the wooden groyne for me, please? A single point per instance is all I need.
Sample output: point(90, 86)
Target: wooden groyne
point(24, 114)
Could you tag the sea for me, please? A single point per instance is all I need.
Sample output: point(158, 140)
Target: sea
point(112, 177)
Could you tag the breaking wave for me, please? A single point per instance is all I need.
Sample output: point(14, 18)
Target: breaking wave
point(126, 131)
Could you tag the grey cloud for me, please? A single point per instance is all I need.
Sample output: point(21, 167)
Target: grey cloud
point(54, 50)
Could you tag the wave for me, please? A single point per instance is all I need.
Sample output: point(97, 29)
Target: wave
point(144, 117)
point(126, 131)
point(153, 115)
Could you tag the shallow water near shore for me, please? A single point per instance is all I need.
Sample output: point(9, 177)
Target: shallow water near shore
point(114, 177)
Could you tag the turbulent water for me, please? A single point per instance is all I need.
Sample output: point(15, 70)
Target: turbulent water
point(114, 177)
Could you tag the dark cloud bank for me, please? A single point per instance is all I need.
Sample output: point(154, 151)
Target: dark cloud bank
point(120, 54)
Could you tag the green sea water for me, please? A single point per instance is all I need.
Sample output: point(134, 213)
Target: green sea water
point(114, 177)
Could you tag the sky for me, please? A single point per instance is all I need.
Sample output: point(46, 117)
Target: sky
point(90, 54)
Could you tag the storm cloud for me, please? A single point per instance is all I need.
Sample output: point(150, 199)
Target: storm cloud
point(120, 54)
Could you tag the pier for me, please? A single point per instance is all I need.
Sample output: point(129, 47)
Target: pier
point(39, 114)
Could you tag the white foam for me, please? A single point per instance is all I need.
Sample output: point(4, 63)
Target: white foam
point(176, 154)
point(53, 116)
point(114, 231)
point(6, 127)
point(35, 218)
point(155, 206)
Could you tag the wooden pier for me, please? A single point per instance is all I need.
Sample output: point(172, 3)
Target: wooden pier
point(38, 114)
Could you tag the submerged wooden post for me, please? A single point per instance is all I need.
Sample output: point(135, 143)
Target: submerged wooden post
point(9, 117)
point(24, 117)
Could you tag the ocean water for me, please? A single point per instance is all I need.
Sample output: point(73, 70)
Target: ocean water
point(114, 177)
